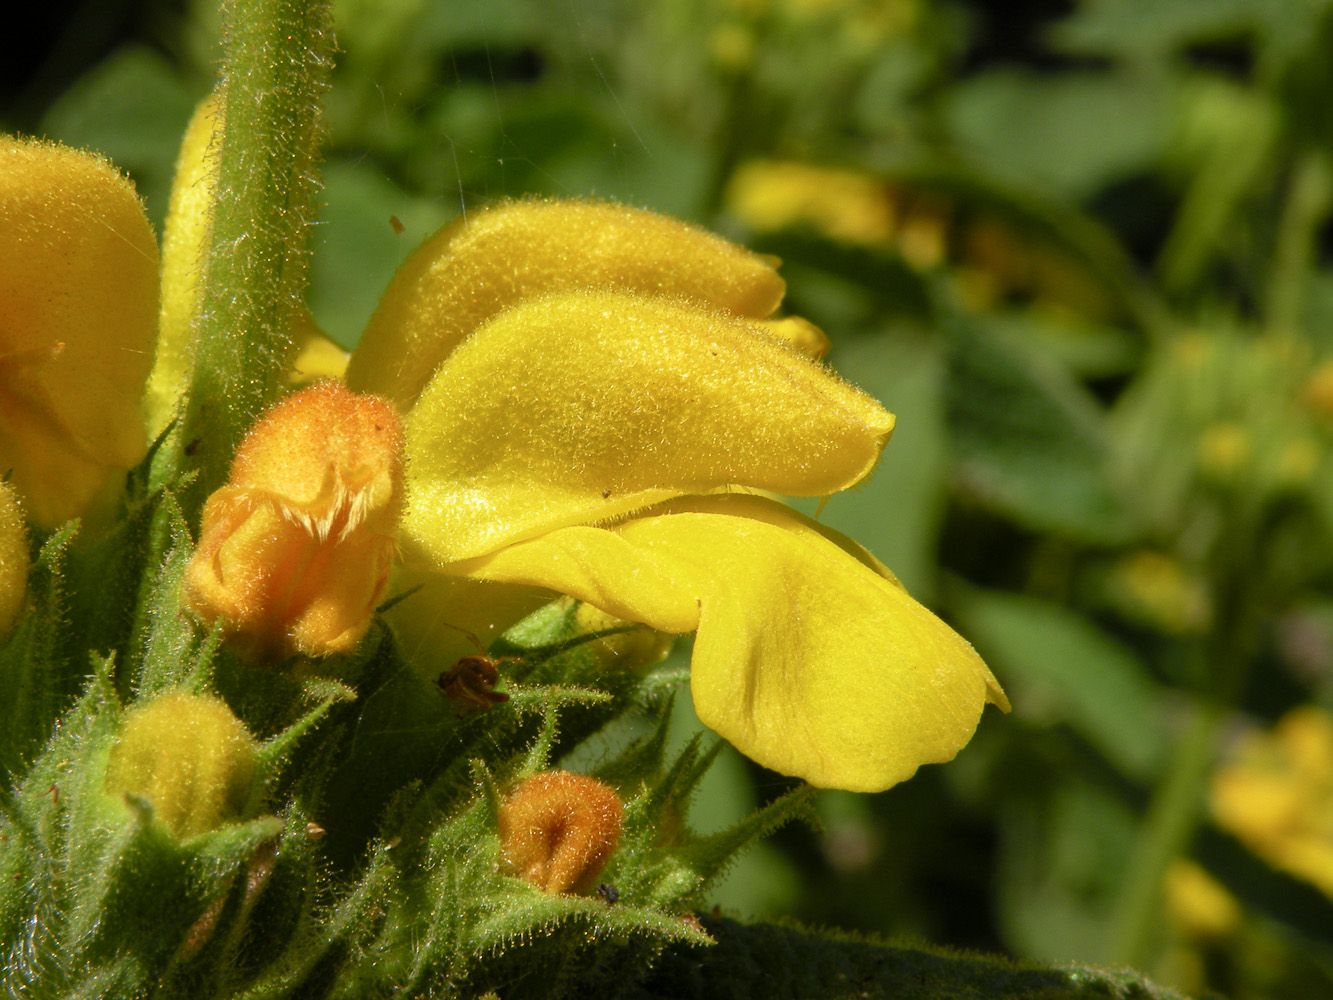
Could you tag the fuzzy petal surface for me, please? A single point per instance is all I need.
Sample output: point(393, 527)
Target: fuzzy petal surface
point(78, 321)
point(183, 241)
point(583, 407)
point(491, 260)
point(807, 659)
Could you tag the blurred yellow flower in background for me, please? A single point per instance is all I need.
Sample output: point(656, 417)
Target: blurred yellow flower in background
point(1275, 794)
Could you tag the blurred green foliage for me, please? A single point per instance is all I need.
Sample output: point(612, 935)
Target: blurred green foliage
point(1083, 251)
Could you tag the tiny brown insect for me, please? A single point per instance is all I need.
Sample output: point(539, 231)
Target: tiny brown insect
point(398, 226)
point(470, 683)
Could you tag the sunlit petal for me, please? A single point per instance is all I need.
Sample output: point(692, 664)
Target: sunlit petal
point(183, 241)
point(491, 260)
point(807, 659)
point(589, 406)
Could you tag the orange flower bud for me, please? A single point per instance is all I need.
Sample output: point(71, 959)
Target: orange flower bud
point(558, 828)
point(296, 549)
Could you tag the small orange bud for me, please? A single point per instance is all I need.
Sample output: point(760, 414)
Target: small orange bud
point(295, 550)
point(557, 830)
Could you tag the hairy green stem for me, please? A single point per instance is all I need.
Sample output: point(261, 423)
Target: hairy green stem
point(277, 56)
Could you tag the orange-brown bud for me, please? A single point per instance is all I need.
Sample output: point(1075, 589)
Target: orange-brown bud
point(558, 828)
point(295, 550)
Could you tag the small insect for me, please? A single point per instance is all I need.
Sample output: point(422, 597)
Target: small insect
point(606, 493)
point(398, 226)
point(609, 893)
point(470, 683)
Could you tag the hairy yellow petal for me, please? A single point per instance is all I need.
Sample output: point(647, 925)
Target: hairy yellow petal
point(598, 566)
point(78, 320)
point(589, 406)
point(183, 240)
point(807, 659)
point(317, 357)
point(491, 260)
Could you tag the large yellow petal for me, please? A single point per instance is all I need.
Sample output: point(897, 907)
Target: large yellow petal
point(595, 565)
point(807, 659)
point(78, 320)
point(589, 406)
point(493, 259)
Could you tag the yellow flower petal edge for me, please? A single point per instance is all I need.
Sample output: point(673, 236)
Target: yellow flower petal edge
point(807, 659)
point(78, 321)
point(493, 259)
point(183, 241)
point(584, 407)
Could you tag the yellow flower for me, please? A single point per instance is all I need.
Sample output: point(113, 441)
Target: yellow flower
point(592, 393)
point(78, 321)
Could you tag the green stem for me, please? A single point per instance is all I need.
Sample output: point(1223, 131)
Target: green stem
point(276, 60)
point(1166, 834)
point(1221, 668)
point(1306, 206)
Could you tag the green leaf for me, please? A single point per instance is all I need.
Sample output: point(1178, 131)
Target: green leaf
point(1028, 439)
point(1075, 135)
point(1058, 666)
point(37, 674)
point(787, 962)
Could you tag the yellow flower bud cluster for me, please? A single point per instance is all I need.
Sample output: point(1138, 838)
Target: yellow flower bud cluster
point(1275, 794)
